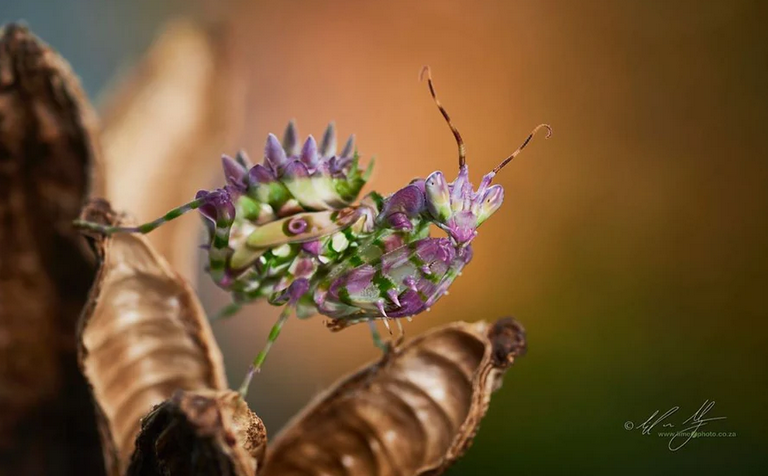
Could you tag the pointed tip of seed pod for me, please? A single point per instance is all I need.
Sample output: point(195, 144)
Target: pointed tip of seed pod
point(328, 145)
point(309, 153)
point(274, 152)
point(508, 339)
point(349, 147)
point(291, 139)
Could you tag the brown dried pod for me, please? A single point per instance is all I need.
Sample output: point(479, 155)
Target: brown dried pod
point(143, 335)
point(412, 413)
point(203, 433)
point(48, 148)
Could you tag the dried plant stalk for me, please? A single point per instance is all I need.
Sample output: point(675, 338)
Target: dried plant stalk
point(48, 148)
point(165, 127)
point(143, 336)
point(202, 433)
point(412, 413)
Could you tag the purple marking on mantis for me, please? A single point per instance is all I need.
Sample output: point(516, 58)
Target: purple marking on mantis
point(297, 225)
point(404, 205)
point(392, 294)
point(309, 155)
point(392, 243)
point(304, 268)
point(311, 247)
point(406, 283)
point(218, 205)
point(380, 307)
point(260, 175)
point(235, 174)
point(275, 155)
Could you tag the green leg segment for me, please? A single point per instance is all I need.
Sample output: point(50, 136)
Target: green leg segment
point(144, 228)
point(259, 360)
point(377, 341)
point(219, 251)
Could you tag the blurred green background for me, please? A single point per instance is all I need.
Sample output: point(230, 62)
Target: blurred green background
point(633, 245)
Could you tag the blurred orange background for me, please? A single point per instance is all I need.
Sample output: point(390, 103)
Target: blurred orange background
point(632, 244)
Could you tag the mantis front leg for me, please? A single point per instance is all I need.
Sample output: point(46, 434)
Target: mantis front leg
point(220, 211)
point(216, 206)
point(144, 228)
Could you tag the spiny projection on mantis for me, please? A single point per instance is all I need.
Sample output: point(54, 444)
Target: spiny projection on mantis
point(288, 230)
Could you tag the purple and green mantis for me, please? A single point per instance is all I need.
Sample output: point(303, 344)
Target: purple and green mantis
point(288, 230)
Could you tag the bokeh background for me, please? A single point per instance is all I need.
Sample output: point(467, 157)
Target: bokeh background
point(633, 245)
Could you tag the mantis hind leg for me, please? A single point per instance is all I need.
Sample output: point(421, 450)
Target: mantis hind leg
point(377, 340)
point(262, 355)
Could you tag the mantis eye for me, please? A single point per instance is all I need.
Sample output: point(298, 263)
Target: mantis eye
point(491, 202)
point(438, 196)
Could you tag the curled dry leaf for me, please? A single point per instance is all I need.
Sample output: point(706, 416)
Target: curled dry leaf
point(143, 335)
point(165, 126)
point(202, 433)
point(48, 148)
point(412, 413)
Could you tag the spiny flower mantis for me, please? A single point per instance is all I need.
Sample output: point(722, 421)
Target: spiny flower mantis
point(288, 230)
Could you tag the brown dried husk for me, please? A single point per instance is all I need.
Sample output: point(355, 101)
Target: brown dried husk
point(203, 433)
point(412, 413)
point(48, 148)
point(143, 336)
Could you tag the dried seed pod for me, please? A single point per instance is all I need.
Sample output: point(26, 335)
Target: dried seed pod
point(412, 413)
point(48, 148)
point(143, 335)
point(203, 433)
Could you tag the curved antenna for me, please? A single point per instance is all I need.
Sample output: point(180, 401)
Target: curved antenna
point(525, 143)
point(459, 141)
